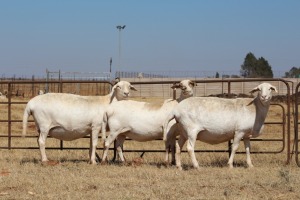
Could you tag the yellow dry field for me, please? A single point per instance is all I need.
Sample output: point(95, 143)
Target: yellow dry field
point(23, 176)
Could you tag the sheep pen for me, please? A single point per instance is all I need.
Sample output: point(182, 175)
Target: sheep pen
point(22, 176)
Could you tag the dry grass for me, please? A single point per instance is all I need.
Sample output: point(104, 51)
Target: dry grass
point(23, 176)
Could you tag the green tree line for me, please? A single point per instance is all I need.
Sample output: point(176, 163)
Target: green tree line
point(253, 67)
point(256, 68)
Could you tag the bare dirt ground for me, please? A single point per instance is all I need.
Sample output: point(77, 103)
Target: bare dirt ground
point(23, 176)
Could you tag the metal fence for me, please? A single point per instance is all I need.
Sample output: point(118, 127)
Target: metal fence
point(183, 74)
point(61, 75)
point(227, 88)
point(296, 125)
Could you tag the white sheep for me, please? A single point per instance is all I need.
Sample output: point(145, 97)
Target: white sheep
point(216, 120)
point(142, 121)
point(41, 92)
point(3, 97)
point(69, 117)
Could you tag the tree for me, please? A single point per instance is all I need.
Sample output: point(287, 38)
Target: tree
point(248, 68)
point(256, 68)
point(263, 68)
point(217, 75)
point(293, 73)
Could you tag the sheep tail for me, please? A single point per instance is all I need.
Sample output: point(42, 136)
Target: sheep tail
point(104, 124)
point(170, 117)
point(27, 113)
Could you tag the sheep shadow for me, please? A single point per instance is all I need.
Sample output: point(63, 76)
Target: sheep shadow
point(217, 163)
point(36, 161)
point(223, 163)
point(29, 161)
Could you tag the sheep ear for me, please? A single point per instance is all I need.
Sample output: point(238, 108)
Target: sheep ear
point(273, 88)
point(193, 83)
point(175, 85)
point(254, 90)
point(133, 88)
point(117, 80)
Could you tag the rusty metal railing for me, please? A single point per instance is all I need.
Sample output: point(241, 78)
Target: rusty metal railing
point(296, 125)
point(285, 113)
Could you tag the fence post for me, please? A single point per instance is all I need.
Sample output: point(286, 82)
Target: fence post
point(47, 80)
point(174, 93)
point(9, 115)
point(229, 141)
point(60, 88)
point(32, 87)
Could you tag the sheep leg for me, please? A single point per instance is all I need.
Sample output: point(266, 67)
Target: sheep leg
point(167, 153)
point(42, 145)
point(170, 145)
point(247, 148)
point(93, 145)
point(237, 138)
point(112, 136)
point(191, 149)
point(173, 161)
point(119, 143)
point(179, 146)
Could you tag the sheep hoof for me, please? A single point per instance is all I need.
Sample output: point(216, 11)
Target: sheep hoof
point(92, 162)
point(230, 166)
point(197, 168)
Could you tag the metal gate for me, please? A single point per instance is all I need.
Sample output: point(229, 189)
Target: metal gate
point(60, 86)
point(296, 125)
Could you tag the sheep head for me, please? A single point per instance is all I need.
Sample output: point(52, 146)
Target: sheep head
point(122, 90)
point(186, 87)
point(264, 92)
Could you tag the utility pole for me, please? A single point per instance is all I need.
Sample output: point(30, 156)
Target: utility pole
point(119, 27)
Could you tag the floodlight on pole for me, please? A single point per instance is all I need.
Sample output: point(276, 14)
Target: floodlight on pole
point(119, 27)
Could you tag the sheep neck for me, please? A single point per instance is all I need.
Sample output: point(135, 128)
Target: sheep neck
point(112, 96)
point(260, 115)
point(183, 97)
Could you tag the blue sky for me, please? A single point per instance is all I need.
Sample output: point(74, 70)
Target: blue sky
point(160, 35)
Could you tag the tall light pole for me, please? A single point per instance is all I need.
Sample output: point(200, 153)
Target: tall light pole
point(119, 27)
